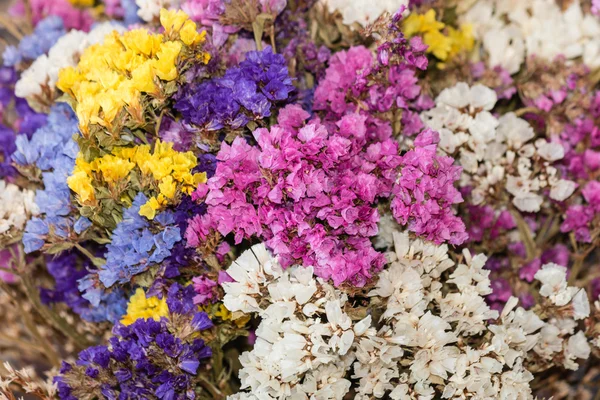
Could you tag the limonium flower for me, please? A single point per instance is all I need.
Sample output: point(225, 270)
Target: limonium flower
point(245, 93)
point(141, 62)
point(44, 36)
point(134, 247)
point(162, 172)
point(442, 46)
point(147, 358)
point(144, 307)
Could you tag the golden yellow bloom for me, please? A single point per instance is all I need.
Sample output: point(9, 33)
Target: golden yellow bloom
point(419, 23)
point(143, 77)
point(189, 34)
point(442, 46)
point(462, 39)
point(115, 74)
point(81, 184)
point(439, 45)
point(114, 168)
point(172, 20)
point(154, 204)
point(168, 187)
point(141, 307)
point(165, 67)
point(82, 3)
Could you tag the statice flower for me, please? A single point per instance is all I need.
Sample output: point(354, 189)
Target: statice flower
point(45, 35)
point(52, 151)
point(582, 218)
point(134, 247)
point(309, 192)
point(424, 193)
point(125, 9)
point(363, 11)
point(305, 341)
point(356, 81)
point(16, 207)
point(245, 93)
point(67, 270)
point(496, 152)
point(37, 83)
point(145, 359)
point(205, 289)
point(505, 31)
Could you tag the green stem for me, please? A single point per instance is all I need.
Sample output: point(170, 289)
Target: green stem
point(97, 261)
point(525, 234)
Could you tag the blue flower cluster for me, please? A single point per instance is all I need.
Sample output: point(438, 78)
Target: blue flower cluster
point(134, 247)
point(46, 34)
point(66, 271)
point(25, 120)
point(51, 150)
point(147, 359)
point(244, 93)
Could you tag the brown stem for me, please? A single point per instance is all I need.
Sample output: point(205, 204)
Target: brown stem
point(56, 320)
point(216, 393)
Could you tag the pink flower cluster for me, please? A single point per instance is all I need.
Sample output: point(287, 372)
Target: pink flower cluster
point(73, 17)
point(310, 191)
point(354, 82)
point(424, 192)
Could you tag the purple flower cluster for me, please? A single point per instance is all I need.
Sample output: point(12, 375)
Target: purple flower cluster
point(425, 193)
point(310, 192)
point(580, 218)
point(67, 271)
point(245, 93)
point(147, 359)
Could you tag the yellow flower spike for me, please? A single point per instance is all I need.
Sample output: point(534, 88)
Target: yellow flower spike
point(189, 33)
point(142, 307)
point(462, 39)
point(439, 45)
point(172, 20)
point(143, 78)
point(67, 79)
point(165, 66)
point(82, 3)
point(80, 183)
point(114, 169)
point(168, 187)
point(125, 152)
point(154, 204)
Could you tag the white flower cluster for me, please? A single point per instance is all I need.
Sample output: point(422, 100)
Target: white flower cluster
point(437, 338)
point(434, 336)
point(363, 11)
point(16, 207)
point(149, 10)
point(511, 30)
point(496, 153)
point(305, 341)
point(37, 83)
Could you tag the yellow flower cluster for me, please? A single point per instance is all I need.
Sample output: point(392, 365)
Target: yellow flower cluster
point(82, 3)
point(141, 307)
point(443, 46)
point(165, 169)
point(114, 74)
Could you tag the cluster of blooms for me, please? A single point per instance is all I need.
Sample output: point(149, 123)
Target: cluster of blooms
point(245, 93)
point(141, 62)
point(149, 357)
point(271, 199)
point(496, 151)
point(37, 83)
point(108, 179)
point(511, 31)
